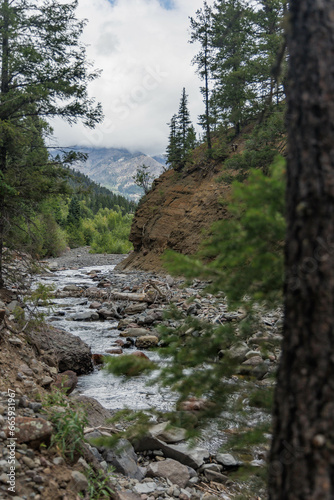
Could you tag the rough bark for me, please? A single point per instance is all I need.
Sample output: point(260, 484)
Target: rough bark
point(302, 454)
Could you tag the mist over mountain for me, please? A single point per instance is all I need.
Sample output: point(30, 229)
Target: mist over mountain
point(114, 168)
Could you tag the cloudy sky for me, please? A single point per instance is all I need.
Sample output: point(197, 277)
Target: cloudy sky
point(142, 47)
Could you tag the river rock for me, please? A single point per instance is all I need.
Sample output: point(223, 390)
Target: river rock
point(71, 352)
point(115, 350)
point(98, 359)
point(170, 469)
point(227, 460)
point(135, 332)
point(108, 313)
point(192, 457)
point(66, 381)
point(86, 316)
point(72, 288)
point(167, 434)
point(96, 414)
point(238, 351)
point(135, 308)
point(147, 341)
point(124, 459)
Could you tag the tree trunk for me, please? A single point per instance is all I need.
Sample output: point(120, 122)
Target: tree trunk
point(4, 89)
point(302, 453)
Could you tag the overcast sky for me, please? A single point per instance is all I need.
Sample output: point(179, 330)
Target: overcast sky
point(142, 47)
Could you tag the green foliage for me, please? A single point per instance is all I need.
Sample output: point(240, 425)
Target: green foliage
point(129, 365)
point(98, 485)
point(241, 60)
point(110, 232)
point(69, 425)
point(182, 137)
point(143, 178)
point(267, 139)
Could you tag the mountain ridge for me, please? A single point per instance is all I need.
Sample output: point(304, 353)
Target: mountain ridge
point(114, 168)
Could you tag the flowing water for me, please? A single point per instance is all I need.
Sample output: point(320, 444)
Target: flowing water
point(112, 392)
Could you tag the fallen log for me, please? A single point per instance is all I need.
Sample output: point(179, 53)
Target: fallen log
point(135, 297)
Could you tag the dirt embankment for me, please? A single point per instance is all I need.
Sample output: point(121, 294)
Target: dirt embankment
point(174, 214)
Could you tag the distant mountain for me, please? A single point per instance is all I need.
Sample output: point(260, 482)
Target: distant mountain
point(114, 168)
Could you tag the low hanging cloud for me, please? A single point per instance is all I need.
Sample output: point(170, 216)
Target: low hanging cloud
point(142, 48)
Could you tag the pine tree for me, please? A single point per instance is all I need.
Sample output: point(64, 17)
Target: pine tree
point(44, 73)
point(182, 137)
point(201, 31)
point(270, 60)
point(232, 68)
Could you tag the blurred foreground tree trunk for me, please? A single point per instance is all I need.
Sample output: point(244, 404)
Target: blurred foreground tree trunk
point(302, 454)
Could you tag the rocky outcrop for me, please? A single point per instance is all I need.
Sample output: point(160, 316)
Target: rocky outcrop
point(174, 215)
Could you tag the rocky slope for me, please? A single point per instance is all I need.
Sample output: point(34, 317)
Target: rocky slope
point(175, 214)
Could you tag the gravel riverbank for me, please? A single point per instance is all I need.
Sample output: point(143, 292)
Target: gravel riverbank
point(80, 257)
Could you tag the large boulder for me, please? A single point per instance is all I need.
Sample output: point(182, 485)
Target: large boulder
point(183, 453)
point(147, 341)
point(71, 352)
point(170, 469)
point(31, 430)
point(124, 459)
point(96, 414)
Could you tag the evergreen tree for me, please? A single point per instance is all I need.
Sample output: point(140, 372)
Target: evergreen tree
point(270, 60)
point(173, 150)
point(234, 43)
point(202, 32)
point(74, 212)
point(44, 73)
point(182, 137)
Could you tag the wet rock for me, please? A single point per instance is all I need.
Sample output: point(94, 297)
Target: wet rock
point(116, 350)
point(139, 354)
point(170, 469)
point(147, 341)
point(98, 359)
point(108, 313)
point(66, 381)
point(31, 430)
point(86, 316)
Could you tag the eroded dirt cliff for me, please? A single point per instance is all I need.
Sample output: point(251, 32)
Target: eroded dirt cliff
point(177, 211)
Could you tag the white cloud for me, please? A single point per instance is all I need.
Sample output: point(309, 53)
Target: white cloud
point(145, 56)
